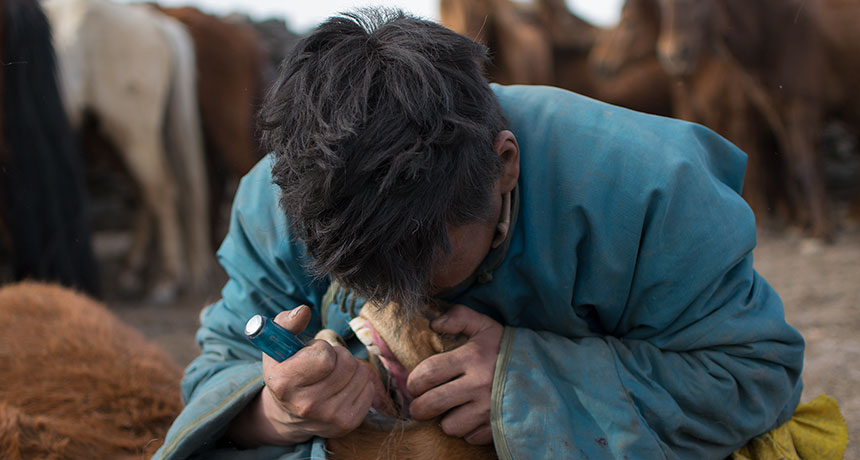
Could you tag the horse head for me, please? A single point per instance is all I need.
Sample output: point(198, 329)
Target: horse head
point(396, 342)
point(685, 31)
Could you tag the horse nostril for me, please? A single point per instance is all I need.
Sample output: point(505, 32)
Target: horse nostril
point(676, 57)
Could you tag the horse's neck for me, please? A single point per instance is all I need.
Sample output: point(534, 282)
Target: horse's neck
point(741, 27)
point(647, 14)
point(422, 441)
point(748, 28)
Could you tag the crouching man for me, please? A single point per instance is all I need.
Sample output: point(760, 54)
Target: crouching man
point(600, 260)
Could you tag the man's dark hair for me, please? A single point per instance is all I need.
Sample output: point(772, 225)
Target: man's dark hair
point(382, 126)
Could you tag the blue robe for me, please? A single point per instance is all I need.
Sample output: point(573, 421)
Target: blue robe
point(635, 324)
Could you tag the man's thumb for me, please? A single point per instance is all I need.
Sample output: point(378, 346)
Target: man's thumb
point(459, 319)
point(295, 320)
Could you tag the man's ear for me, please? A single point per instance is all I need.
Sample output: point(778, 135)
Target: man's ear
point(505, 145)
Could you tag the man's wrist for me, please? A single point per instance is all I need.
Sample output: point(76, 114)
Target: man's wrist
point(256, 426)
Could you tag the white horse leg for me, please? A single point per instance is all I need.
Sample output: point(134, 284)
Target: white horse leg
point(159, 192)
point(185, 145)
point(66, 18)
point(129, 278)
point(140, 143)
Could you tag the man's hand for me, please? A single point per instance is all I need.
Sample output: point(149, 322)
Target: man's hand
point(460, 381)
point(320, 391)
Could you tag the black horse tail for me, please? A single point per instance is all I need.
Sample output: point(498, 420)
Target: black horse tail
point(46, 213)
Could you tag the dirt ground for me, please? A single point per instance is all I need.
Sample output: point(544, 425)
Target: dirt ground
point(819, 285)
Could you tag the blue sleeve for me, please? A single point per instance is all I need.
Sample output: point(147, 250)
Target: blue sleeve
point(267, 275)
point(693, 361)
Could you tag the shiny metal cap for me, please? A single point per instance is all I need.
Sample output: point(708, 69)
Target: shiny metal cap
point(254, 326)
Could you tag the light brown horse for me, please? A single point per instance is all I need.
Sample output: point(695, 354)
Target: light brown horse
point(77, 382)
point(396, 344)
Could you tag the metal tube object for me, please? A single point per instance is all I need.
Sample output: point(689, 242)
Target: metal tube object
point(271, 338)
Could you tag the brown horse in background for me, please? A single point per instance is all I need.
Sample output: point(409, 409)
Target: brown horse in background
point(642, 85)
point(277, 40)
point(786, 74)
point(521, 51)
point(714, 96)
point(555, 52)
point(230, 64)
point(838, 20)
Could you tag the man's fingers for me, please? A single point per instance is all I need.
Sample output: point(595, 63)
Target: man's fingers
point(465, 419)
point(432, 372)
point(346, 370)
point(308, 366)
point(460, 319)
point(361, 403)
point(482, 435)
point(440, 400)
point(348, 408)
point(295, 320)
